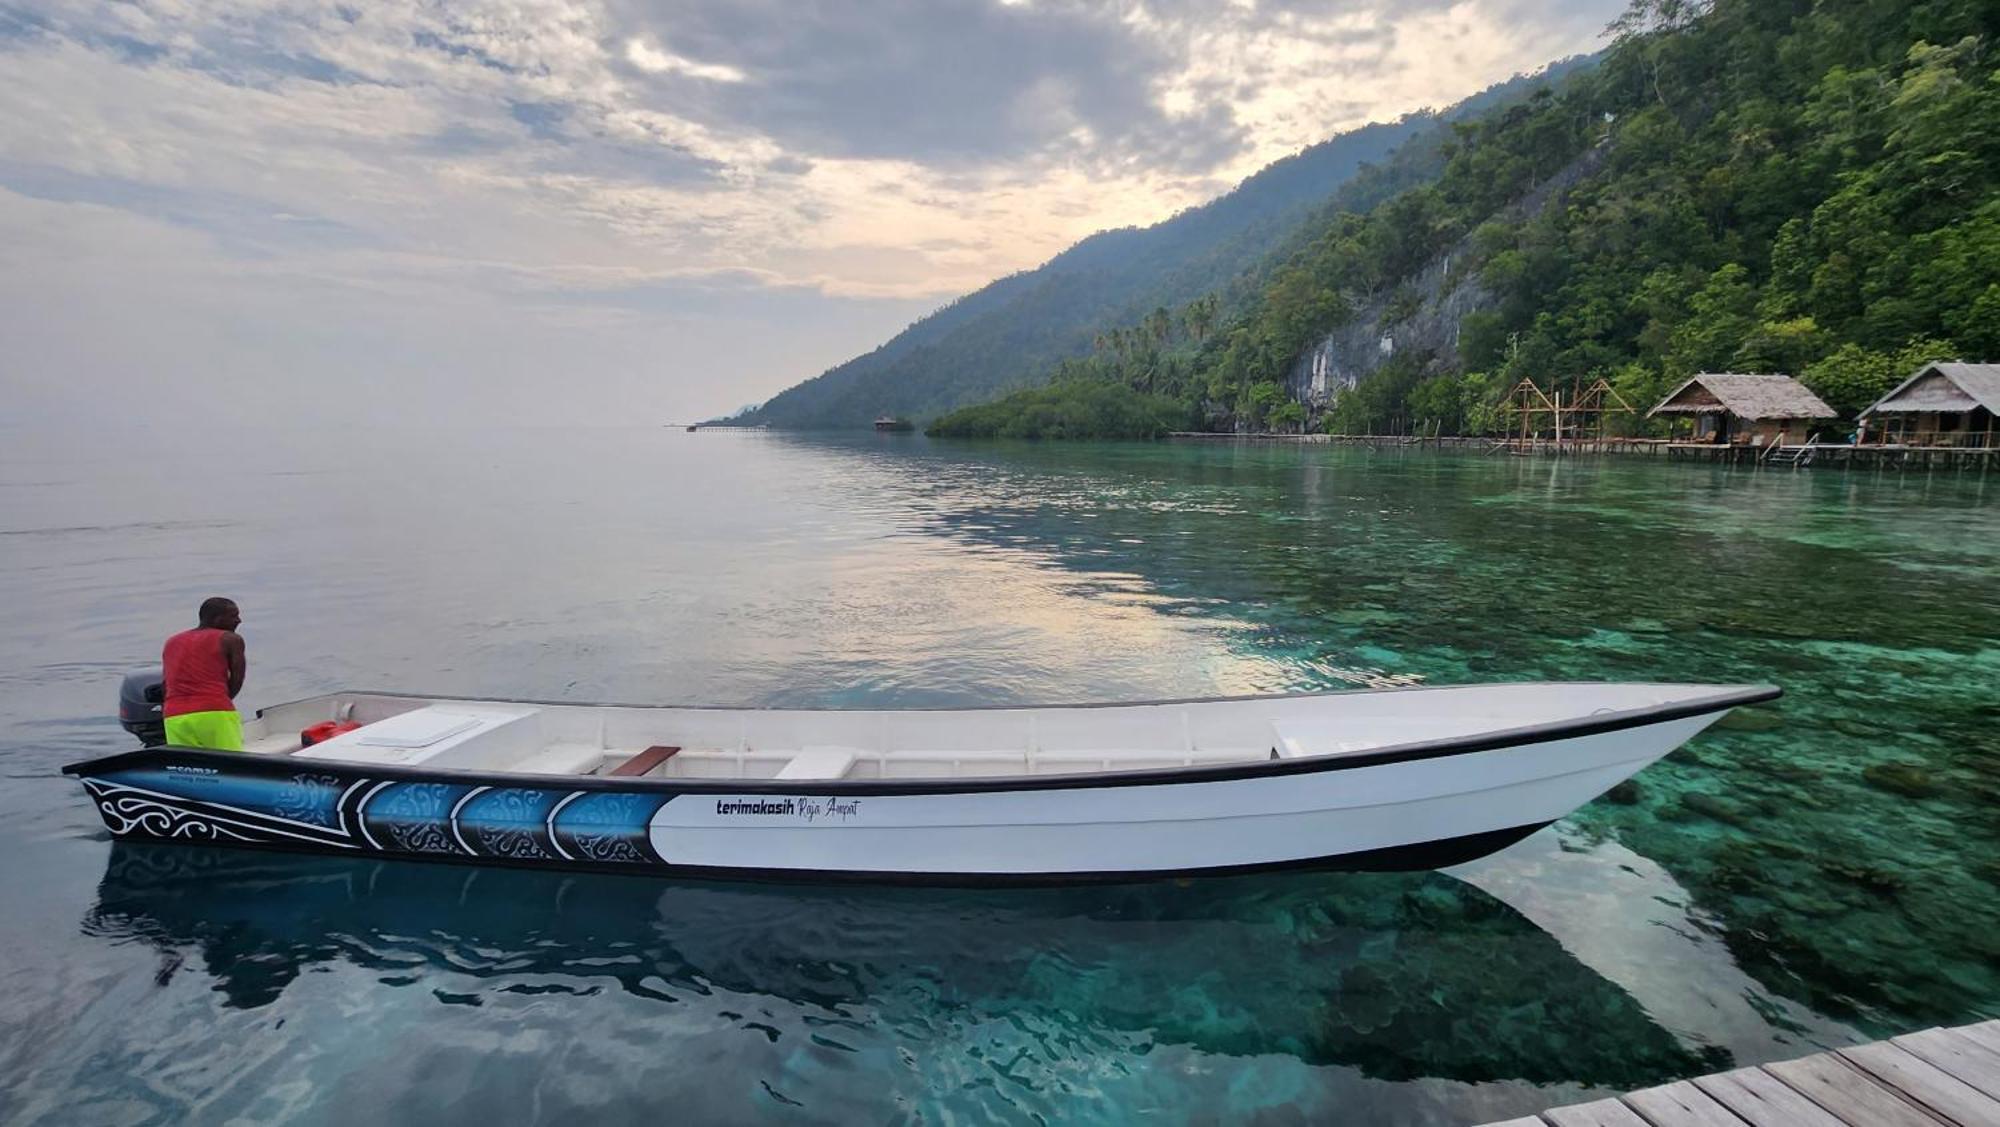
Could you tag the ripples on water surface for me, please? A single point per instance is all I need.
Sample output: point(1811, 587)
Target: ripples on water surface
point(1810, 874)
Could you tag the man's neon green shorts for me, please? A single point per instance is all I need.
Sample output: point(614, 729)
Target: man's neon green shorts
point(222, 731)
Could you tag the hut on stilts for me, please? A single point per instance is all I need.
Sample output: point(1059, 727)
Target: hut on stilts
point(1945, 404)
point(1736, 416)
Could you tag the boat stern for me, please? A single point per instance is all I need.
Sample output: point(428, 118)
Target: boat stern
point(184, 794)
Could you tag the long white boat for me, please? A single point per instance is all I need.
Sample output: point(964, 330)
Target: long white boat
point(1375, 779)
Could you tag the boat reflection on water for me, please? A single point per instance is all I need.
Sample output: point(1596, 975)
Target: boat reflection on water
point(1398, 975)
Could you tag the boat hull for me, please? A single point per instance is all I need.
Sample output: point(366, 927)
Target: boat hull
point(1410, 808)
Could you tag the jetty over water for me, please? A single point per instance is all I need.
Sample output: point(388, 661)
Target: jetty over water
point(1942, 417)
point(1936, 1078)
point(1842, 455)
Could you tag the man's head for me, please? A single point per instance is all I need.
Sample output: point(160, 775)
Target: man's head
point(220, 613)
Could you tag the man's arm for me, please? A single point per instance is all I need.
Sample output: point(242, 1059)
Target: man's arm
point(232, 652)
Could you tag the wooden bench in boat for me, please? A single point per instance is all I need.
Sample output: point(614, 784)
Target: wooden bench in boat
point(645, 761)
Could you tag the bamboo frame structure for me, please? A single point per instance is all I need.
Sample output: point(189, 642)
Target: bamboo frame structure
point(1586, 406)
point(1522, 401)
point(1590, 403)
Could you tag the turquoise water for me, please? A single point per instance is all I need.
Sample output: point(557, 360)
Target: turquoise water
point(1815, 872)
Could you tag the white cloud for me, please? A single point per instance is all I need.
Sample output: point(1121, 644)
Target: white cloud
point(653, 60)
point(445, 172)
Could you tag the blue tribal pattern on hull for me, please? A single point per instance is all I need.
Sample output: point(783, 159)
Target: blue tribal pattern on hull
point(342, 812)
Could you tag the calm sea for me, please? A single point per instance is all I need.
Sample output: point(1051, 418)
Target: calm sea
point(1813, 873)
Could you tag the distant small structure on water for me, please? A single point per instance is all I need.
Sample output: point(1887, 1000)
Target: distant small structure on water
point(1946, 403)
point(892, 423)
point(1730, 408)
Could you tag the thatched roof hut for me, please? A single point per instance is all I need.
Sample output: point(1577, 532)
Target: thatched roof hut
point(1947, 402)
point(1755, 408)
point(1750, 398)
point(1952, 386)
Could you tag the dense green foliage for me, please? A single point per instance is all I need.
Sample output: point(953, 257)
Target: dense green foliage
point(1068, 409)
point(1007, 334)
point(1796, 187)
point(1772, 185)
point(1012, 333)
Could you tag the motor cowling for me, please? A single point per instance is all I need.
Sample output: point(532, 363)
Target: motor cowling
point(140, 699)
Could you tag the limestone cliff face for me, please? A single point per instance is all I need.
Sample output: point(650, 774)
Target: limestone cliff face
point(1366, 341)
point(1349, 353)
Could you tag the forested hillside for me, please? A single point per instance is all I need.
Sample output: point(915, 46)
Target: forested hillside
point(1011, 333)
point(1777, 186)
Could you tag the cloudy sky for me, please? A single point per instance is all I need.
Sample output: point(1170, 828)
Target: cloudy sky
point(615, 210)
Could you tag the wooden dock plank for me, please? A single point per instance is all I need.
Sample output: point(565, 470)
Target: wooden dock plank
point(1848, 1093)
point(1680, 1104)
point(1598, 1113)
point(1963, 1057)
point(1931, 1078)
point(1762, 1100)
point(1951, 1098)
point(1986, 1033)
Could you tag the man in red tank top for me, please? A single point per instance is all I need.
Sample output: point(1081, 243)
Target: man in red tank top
point(204, 672)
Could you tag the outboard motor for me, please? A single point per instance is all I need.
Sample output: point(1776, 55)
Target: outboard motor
point(140, 699)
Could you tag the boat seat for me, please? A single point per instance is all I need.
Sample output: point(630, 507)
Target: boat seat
point(819, 763)
point(644, 761)
point(562, 759)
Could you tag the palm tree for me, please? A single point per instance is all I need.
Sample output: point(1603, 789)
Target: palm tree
point(1199, 316)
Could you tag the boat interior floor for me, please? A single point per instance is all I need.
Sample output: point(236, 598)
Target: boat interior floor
point(803, 744)
point(504, 740)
